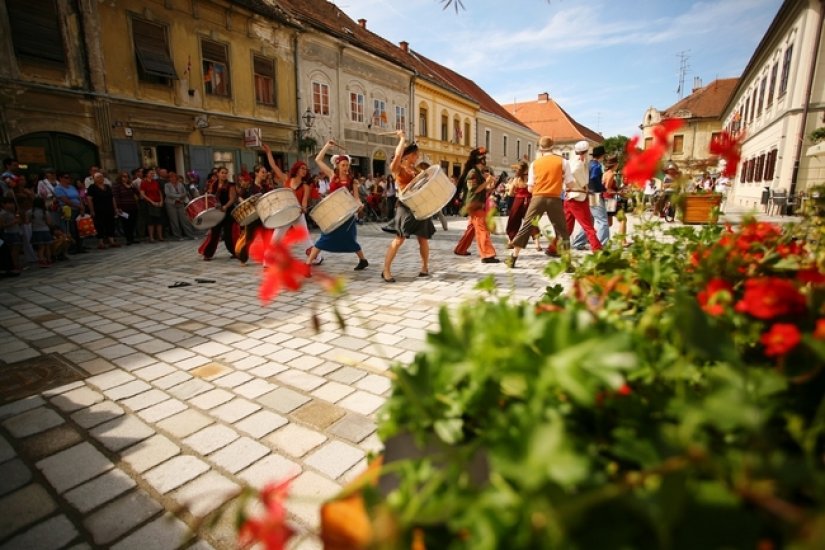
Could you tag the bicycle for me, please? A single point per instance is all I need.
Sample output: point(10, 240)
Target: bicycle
point(667, 208)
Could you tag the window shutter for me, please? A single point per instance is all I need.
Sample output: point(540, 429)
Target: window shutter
point(35, 30)
point(152, 50)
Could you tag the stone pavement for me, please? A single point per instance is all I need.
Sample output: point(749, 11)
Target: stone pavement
point(187, 394)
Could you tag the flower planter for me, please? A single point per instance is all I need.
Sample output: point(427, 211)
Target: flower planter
point(698, 207)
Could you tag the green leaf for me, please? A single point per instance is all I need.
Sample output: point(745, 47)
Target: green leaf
point(449, 430)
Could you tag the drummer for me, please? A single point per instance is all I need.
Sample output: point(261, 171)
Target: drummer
point(301, 184)
point(344, 238)
point(247, 190)
point(403, 168)
point(226, 192)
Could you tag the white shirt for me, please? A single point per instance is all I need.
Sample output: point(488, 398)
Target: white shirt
point(579, 177)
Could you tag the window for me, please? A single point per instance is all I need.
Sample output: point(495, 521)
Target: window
point(458, 134)
point(714, 136)
point(356, 107)
point(152, 52)
point(422, 122)
point(774, 72)
point(215, 68)
point(760, 168)
point(320, 98)
point(379, 113)
point(518, 149)
point(504, 145)
point(466, 134)
point(444, 128)
point(648, 142)
point(487, 140)
point(400, 117)
point(264, 70)
point(529, 150)
point(770, 164)
point(762, 86)
point(786, 71)
point(745, 116)
point(35, 30)
point(678, 144)
point(752, 112)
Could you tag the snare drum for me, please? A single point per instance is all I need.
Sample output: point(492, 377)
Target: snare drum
point(334, 210)
point(204, 212)
point(428, 193)
point(278, 208)
point(246, 213)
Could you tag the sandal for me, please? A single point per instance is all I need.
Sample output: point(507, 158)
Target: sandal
point(178, 284)
point(423, 273)
point(387, 280)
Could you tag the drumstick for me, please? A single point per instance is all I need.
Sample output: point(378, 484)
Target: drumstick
point(387, 133)
point(335, 144)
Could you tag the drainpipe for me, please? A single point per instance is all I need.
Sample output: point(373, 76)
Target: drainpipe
point(297, 95)
point(806, 108)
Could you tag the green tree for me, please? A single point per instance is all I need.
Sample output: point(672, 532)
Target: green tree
point(616, 145)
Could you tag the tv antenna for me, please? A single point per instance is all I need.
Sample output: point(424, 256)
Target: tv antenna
point(683, 68)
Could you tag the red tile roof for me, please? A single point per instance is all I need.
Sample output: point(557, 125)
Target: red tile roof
point(547, 118)
point(706, 102)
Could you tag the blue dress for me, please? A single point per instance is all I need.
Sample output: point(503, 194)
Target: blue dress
point(345, 238)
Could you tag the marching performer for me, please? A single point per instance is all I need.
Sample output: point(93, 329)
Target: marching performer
point(301, 185)
point(227, 195)
point(343, 239)
point(403, 168)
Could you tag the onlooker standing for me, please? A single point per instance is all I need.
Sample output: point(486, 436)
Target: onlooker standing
point(12, 237)
point(150, 195)
point(176, 200)
point(68, 198)
point(41, 231)
point(126, 199)
point(143, 206)
point(101, 203)
point(45, 190)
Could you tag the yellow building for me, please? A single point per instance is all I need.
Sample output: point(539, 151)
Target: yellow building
point(172, 83)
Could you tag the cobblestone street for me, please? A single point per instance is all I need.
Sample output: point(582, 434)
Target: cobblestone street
point(183, 395)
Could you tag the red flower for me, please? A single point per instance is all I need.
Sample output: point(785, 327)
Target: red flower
point(663, 131)
point(769, 297)
point(271, 530)
point(729, 147)
point(281, 269)
point(819, 331)
point(810, 275)
point(641, 165)
point(780, 339)
point(710, 299)
point(624, 390)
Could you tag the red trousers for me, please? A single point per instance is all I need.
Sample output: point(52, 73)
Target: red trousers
point(579, 211)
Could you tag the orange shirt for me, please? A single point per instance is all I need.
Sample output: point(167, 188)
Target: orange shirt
point(548, 176)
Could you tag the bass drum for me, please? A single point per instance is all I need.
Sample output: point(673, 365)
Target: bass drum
point(334, 210)
point(203, 212)
point(428, 193)
point(278, 208)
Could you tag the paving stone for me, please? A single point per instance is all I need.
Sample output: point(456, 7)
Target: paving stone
point(353, 427)
point(175, 472)
point(120, 516)
point(15, 474)
point(190, 388)
point(49, 442)
point(374, 383)
point(62, 389)
point(254, 388)
point(261, 423)
point(134, 361)
point(295, 440)
point(145, 399)
point(22, 405)
point(252, 363)
point(30, 504)
point(210, 371)
point(318, 414)
point(234, 410)
point(361, 402)
point(127, 390)
point(53, 533)
point(211, 399)
point(32, 422)
point(206, 493)
point(116, 351)
point(121, 432)
point(73, 466)
point(162, 410)
point(97, 414)
point(149, 453)
point(110, 379)
point(154, 346)
point(334, 458)
point(306, 492)
point(153, 372)
point(333, 392)
point(272, 468)
point(299, 379)
point(173, 379)
point(304, 362)
point(191, 362)
point(174, 355)
point(283, 400)
point(347, 375)
point(102, 489)
point(93, 366)
point(185, 423)
point(211, 349)
point(211, 438)
point(232, 380)
point(7, 452)
point(239, 454)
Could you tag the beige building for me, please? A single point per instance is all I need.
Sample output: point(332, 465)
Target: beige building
point(701, 113)
point(170, 83)
point(779, 101)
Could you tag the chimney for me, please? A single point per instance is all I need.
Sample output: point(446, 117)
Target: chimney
point(697, 84)
point(544, 97)
point(405, 46)
point(363, 23)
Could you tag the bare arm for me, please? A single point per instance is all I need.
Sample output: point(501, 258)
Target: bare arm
point(395, 165)
point(319, 160)
point(276, 170)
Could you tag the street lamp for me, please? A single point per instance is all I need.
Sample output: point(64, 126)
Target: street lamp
point(306, 143)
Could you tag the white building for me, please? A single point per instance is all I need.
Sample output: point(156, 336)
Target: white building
point(779, 101)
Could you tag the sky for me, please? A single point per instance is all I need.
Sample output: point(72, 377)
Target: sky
point(604, 61)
